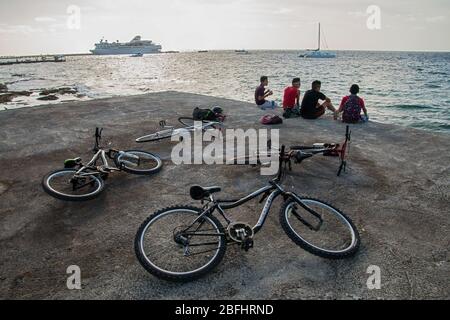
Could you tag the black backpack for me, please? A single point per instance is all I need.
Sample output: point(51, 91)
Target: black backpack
point(204, 115)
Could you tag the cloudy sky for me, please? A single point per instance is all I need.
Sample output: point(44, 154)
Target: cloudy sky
point(50, 26)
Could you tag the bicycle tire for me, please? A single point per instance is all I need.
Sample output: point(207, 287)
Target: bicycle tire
point(158, 136)
point(143, 259)
point(329, 254)
point(61, 196)
point(156, 169)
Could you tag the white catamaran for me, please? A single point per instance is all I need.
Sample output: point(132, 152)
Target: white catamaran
point(137, 46)
point(317, 53)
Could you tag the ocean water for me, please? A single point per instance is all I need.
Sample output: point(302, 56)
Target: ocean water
point(409, 89)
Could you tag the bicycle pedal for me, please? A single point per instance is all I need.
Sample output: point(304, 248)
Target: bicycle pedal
point(247, 245)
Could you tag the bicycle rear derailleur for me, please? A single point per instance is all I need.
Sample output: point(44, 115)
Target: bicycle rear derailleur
point(242, 233)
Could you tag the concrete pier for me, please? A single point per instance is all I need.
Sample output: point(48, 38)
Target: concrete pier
point(396, 191)
point(31, 59)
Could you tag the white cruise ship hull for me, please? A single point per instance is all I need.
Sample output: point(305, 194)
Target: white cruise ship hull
point(128, 51)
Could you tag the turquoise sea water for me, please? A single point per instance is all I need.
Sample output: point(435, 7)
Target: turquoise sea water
point(410, 89)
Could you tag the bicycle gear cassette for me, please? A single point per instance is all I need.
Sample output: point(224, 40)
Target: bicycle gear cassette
point(240, 232)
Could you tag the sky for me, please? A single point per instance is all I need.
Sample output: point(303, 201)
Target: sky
point(61, 26)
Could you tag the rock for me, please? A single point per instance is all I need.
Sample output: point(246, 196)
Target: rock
point(6, 97)
point(49, 97)
point(9, 96)
point(62, 90)
point(48, 92)
point(21, 93)
point(3, 87)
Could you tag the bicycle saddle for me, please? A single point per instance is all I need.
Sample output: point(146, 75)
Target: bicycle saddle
point(200, 193)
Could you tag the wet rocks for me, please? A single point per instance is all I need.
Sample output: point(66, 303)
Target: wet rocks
point(21, 93)
point(6, 97)
point(49, 97)
point(9, 96)
point(61, 91)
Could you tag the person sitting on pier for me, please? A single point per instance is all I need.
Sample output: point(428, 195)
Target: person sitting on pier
point(311, 107)
point(261, 94)
point(351, 107)
point(291, 100)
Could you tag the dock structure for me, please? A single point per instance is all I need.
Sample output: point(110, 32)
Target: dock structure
point(31, 59)
point(396, 191)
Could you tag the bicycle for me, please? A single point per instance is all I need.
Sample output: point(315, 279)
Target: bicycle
point(327, 149)
point(189, 126)
point(79, 182)
point(183, 243)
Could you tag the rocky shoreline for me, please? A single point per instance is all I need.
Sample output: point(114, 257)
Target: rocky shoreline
point(51, 94)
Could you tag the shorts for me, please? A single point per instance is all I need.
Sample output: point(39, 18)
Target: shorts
point(317, 114)
point(268, 105)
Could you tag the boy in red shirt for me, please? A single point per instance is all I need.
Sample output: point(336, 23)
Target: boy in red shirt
point(351, 107)
point(291, 100)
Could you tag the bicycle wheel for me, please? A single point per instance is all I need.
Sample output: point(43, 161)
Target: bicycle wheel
point(158, 136)
point(169, 249)
point(62, 185)
point(148, 163)
point(335, 238)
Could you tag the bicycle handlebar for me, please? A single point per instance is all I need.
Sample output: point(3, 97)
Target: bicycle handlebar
point(98, 138)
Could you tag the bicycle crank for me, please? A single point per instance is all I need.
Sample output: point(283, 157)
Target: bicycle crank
point(241, 233)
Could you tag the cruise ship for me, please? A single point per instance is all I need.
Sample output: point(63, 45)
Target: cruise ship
point(135, 46)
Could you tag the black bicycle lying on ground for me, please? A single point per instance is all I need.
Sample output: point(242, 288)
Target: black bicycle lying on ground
point(183, 243)
point(78, 182)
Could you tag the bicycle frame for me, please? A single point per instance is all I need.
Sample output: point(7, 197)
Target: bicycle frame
point(271, 191)
point(100, 155)
point(204, 126)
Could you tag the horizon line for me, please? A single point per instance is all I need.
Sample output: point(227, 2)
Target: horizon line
point(233, 49)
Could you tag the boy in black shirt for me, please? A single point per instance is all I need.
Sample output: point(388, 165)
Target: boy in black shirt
point(311, 108)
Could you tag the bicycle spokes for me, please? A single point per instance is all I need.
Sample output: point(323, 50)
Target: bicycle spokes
point(68, 184)
point(172, 246)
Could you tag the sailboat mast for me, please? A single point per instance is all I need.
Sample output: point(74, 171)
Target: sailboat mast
point(319, 37)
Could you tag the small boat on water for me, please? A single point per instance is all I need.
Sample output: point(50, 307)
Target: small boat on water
point(137, 55)
point(242, 51)
point(203, 51)
point(318, 53)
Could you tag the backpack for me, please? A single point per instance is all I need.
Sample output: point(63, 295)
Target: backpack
point(204, 115)
point(270, 119)
point(352, 110)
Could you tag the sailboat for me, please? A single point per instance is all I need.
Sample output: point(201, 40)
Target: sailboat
point(317, 53)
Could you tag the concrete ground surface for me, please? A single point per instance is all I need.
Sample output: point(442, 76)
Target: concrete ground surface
point(396, 191)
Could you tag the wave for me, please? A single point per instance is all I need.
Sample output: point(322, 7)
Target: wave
point(411, 106)
point(438, 73)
